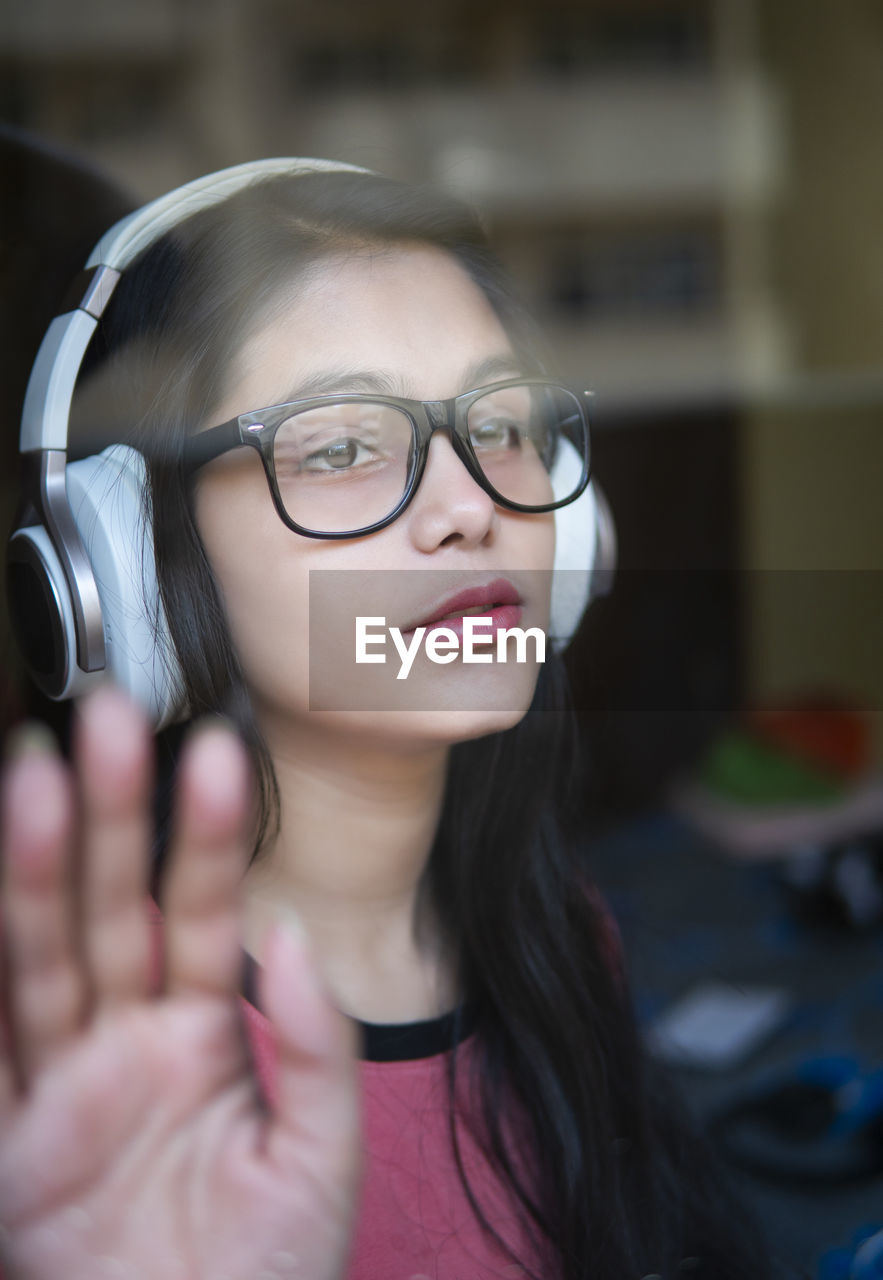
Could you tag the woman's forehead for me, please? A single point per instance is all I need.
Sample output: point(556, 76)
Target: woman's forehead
point(406, 320)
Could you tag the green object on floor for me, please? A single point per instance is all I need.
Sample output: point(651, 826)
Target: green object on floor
point(739, 767)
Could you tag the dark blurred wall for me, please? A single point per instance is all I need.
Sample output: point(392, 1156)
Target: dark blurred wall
point(54, 208)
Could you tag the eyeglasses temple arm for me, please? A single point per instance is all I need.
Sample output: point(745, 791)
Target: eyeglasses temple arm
point(205, 446)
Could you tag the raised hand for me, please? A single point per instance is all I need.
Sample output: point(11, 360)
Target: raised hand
point(134, 1141)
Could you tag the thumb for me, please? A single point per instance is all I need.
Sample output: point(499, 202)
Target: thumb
point(315, 1119)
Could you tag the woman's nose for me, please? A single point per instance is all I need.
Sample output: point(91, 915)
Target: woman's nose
point(449, 506)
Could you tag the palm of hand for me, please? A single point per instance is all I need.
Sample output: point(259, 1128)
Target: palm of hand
point(134, 1141)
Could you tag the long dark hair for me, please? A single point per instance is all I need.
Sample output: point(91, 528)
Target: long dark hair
point(621, 1184)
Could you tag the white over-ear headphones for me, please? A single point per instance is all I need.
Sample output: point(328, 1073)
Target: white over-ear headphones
point(81, 574)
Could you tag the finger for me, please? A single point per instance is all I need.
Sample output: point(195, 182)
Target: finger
point(316, 1105)
point(113, 754)
point(7, 1065)
point(45, 979)
point(202, 891)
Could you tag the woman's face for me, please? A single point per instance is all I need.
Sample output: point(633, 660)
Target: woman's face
point(404, 321)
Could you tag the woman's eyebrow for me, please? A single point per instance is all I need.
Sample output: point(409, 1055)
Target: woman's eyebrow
point(503, 365)
point(327, 382)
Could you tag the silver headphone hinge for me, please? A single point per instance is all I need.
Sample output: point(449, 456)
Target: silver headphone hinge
point(91, 290)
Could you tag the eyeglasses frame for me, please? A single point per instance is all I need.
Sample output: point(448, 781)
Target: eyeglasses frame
point(257, 429)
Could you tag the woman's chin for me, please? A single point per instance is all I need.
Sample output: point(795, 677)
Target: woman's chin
point(435, 704)
point(413, 730)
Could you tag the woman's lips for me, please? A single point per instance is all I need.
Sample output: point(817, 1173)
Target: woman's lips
point(500, 601)
point(503, 615)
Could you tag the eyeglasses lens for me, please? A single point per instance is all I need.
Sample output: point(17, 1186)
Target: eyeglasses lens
point(514, 433)
point(343, 466)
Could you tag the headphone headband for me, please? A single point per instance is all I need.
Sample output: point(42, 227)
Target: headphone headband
point(124, 241)
point(50, 389)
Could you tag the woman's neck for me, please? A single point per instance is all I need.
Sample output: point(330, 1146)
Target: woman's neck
point(357, 823)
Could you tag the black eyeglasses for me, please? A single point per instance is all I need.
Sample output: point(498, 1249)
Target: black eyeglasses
point(345, 465)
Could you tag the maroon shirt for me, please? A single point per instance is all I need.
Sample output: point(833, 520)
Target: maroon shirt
point(414, 1220)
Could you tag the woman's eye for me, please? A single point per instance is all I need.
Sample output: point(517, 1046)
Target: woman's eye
point(497, 434)
point(339, 455)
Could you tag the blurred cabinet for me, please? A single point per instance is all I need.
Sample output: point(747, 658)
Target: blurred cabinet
point(658, 665)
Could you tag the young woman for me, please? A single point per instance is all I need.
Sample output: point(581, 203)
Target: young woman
point(436, 1072)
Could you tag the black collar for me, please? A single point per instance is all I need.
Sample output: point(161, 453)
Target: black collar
point(392, 1041)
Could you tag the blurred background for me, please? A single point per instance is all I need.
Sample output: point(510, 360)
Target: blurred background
point(688, 194)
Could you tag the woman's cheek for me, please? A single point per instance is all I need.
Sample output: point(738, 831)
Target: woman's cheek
point(271, 638)
point(264, 587)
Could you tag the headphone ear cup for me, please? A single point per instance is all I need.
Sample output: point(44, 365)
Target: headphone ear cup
point(577, 546)
point(42, 614)
point(106, 497)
